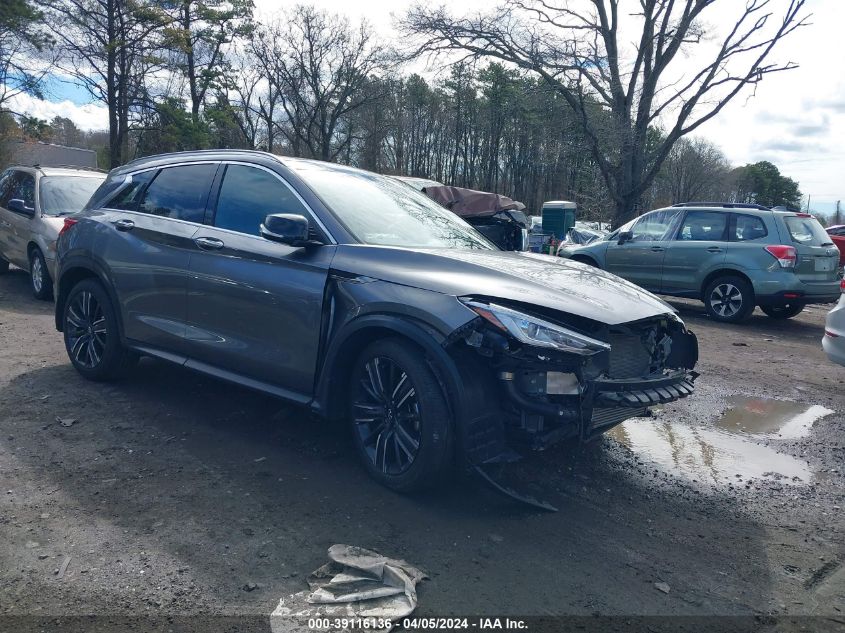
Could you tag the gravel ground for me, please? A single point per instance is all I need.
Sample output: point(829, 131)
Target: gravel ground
point(176, 494)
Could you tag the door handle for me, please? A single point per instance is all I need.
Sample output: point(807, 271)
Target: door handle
point(124, 225)
point(714, 249)
point(657, 249)
point(208, 243)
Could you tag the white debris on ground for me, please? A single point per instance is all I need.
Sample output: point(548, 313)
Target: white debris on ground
point(356, 583)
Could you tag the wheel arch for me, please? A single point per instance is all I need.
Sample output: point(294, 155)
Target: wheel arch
point(723, 272)
point(586, 259)
point(71, 275)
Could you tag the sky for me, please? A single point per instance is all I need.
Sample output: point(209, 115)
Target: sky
point(795, 119)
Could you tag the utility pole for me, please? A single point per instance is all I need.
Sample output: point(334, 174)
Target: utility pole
point(838, 213)
point(808, 202)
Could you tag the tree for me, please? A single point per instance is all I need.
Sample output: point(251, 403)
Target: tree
point(762, 183)
point(579, 49)
point(22, 43)
point(694, 170)
point(110, 48)
point(65, 132)
point(198, 35)
point(320, 65)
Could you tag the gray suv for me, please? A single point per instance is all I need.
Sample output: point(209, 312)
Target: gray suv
point(731, 256)
point(355, 295)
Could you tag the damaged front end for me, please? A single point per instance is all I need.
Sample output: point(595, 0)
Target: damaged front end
point(561, 376)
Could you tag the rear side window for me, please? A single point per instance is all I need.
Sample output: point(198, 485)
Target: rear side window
point(248, 195)
point(806, 231)
point(179, 192)
point(5, 186)
point(748, 227)
point(22, 187)
point(127, 198)
point(703, 226)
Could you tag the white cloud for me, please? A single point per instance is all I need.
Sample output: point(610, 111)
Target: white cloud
point(87, 117)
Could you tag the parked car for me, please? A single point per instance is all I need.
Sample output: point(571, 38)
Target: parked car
point(347, 292)
point(837, 235)
point(33, 201)
point(731, 256)
point(833, 341)
point(498, 218)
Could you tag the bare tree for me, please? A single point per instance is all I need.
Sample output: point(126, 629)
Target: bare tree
point(320, 65)
point(109, 48)
point(695, 170)
point(620, 99)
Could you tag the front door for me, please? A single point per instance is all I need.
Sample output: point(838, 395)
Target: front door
point(255, 306)
point(640, 259)
point(699, 246)
point(153, 220)
point(16, 226)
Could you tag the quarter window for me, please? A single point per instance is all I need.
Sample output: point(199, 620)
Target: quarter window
point(248, 195)
point(128, 197)
point(703, 226)
point(748, 227)
point(179, 192)
point(5, 187)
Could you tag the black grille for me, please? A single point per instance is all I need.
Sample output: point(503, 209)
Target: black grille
point(629, 358)
point(611, 416)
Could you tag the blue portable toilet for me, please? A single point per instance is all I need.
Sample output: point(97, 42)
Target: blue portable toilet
point(558, 217)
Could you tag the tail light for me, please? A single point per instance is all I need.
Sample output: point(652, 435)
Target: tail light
point(786, 255)
point(69, 222)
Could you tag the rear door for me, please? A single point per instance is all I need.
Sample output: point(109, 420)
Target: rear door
point(818, 257)
point(255, 306)
point(640, 259)
point(5, 222)
point(152, 222)
point(697, 247)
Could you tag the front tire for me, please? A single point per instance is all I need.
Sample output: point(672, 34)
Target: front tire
point(786, 311)
point(400, 418)
point(729, 299)
point(39, 277)
point(92, 338)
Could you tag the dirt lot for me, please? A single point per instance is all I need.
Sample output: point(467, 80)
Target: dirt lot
point(177, 494)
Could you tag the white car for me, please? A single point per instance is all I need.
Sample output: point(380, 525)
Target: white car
point(833, 341)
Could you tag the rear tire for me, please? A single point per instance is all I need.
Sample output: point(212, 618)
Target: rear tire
point(39, 277)
point(92, 337)
point(786, 311)
point(729, 299)
point(401, 423)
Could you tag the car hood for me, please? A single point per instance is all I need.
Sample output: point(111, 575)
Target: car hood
point(543, 280)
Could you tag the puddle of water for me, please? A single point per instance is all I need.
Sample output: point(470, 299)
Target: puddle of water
point(727, 452)
point(771, 418)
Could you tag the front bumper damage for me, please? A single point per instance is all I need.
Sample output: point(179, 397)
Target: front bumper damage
point(546, 396)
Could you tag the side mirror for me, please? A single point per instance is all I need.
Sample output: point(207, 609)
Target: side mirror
point(624, 236)
point(287, 228)
point(19, 206)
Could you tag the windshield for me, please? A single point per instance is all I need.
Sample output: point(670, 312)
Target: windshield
point(63, 195)
point(807, 231)
point(380, 210)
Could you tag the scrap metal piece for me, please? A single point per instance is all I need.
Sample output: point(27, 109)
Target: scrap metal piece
point(510, 492)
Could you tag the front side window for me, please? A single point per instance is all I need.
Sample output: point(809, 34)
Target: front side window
point(654, 226)
point(22, 187)
point(248, 195)
point(381, 210)
point(748, 227)
point(806, 231)
point(5, 186)
point(703, 226)
point(63, 195)
point(179, 192)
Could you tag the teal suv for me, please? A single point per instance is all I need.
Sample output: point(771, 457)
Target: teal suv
point(731, 256)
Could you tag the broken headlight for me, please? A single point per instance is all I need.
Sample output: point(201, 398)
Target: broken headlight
point(537, 332)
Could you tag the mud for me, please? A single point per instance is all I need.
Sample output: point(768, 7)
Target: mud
point(177, 495)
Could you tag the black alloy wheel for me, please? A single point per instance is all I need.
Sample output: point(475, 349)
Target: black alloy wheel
point(400, 419)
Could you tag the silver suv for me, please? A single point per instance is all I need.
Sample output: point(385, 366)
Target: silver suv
point(731, 256)
point(33, 202)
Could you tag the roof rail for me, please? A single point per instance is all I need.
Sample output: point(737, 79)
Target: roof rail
point(724, 205)
point(80, 167)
